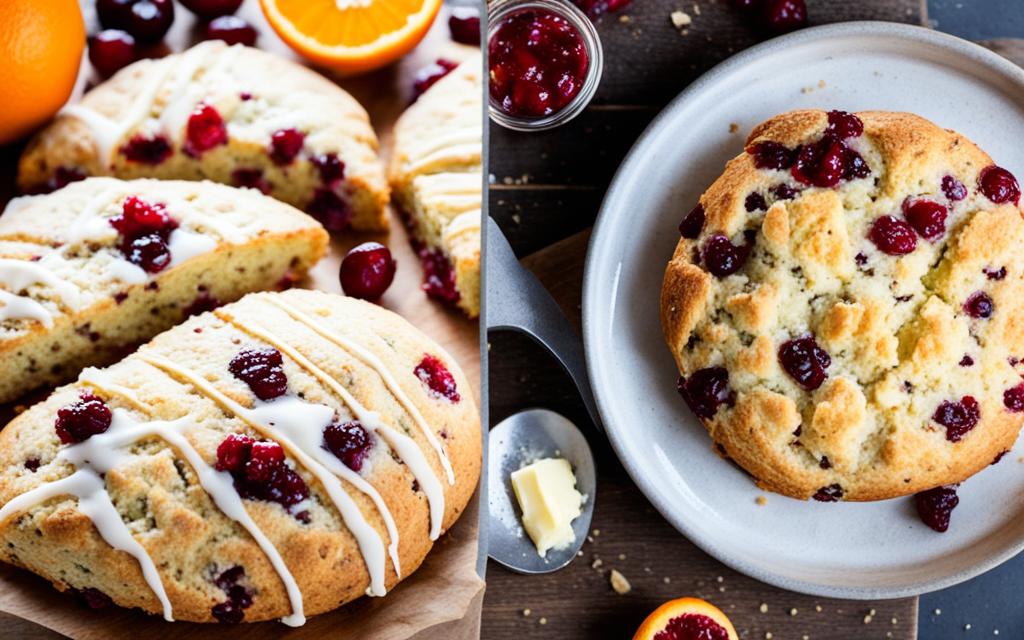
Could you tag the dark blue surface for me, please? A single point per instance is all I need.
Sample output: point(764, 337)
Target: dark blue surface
point(994, 601)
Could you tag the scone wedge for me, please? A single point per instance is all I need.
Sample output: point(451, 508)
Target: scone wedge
point(89, 272)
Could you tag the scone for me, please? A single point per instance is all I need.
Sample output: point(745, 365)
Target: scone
point(275, 458)
point(436, 176)
point(90, 271)
point(234, 115)
point(845, 306)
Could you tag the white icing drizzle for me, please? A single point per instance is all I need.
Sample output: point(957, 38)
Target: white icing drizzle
point(18, 275)
point(370, 544)
point(185, 244)
point(22, 308)
point(375, 363)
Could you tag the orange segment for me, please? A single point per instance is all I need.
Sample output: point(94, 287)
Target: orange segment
point(686, 619)
point(351, 36)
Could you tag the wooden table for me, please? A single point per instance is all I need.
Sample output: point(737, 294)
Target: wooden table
point(545, 194)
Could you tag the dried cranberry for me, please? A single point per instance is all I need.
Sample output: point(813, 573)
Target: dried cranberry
point(979, 305)
point(432, 373)
point(958, 417)
point(831, 493)
point(721, 257)
point(331, 169)
point(771, 155)
point(149, 252)
point(62, 177)
point(438, 276)
point(230, 29)
point(705, 390)
point(233, 452)
point(32, 464)
point(228, 612)
point(264, 458)
point(966, 361)
point(250, 178)
point(263, 370)
point(994, 274)
point(464, 25)
point(330, 210)
point(953, 188)
point(783, 16)
point(843, 125)
point(755, 202)
point(1013, 398)
point(934, 506)
point(202, 303)
point(111, 50)
point(999, 185)
point(146, 150)
point(893, 236)
point(260, 471)
point(692, 223)
point(285, 144)
point(93, 598)
point(367, 271)
point(429, 75)
point(825, 463)
point(785, 192)
point(204, 131)
point(927, 217)
point(854, 166)
point(239, 598)
point(82, 419)
point(349, 442)
point(692, 626)
point(805, 361)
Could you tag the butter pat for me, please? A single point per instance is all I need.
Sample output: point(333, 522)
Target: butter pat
point(547, 495)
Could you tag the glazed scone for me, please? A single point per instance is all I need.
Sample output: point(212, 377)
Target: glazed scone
point(234, 115)
point(845, 306)
point(89, 272)
point(436, 176)
point(275, 458)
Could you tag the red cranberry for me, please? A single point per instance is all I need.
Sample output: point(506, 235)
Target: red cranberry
point(432, 373)
point(114, 14)
point(692, 223)
point(966, 361)
point(349, 442)
point(771, 155)
point(705, 390)
point(82, 419)
point(331, 168)
point(367, 271)
point(999, 457)
point(979, 305)
point(854, 166)
point(330, 210)
point(111, 50)
point(783, 16)
point(953, 188)
point(438, 276)
point(464, 25)
point(239, 598)
point(722, 258)
point(202, 303)
point(958, 417)
point(1013, 398)
point(149, 252)
point(32, 464)
point(926, 216)
point(260, 472)
point(893, 236)
point(146, 150)
point(140, 217)
point(692, 626)
point(820, 164)
point(264, 458)
point(831, 493)
point(263, 370)
point(999, 185)
point(428, 76)
point(285, 144)
point(230, 29)
point(150, 19)
point(993, 273)
point(934, 506)
point(233, 452)
point(62, 177)
point(251, 178)
point(844, 125)
point(755, 202)
point(785, 192)
point(93, 598)
point(825, 463)
point(805, 361)
point(205, 130)
point(208, 9)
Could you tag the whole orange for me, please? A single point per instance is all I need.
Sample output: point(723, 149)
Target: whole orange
point(41, 44)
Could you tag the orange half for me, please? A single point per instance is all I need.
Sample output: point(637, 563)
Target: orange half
point(665, 615)
point(351, 36)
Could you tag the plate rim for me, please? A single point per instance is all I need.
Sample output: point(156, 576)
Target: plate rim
point(987, 60)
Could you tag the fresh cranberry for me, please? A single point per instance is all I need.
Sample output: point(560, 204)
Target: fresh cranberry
point(260, 472)
point(820, 164)
point(263, 370)
point(208, 9)
point(330, 167)
point(82, 419)
point(250, 178)
point(934, 506)
point(831, 493)
point(438, 276)
point(464, 25)
point(958, 417)
point(349, 442)
point(114, 14)
point(692, 626)
point(805, 361)
point(999, 185)
point(429, 75)
point(1013, 398)
point(993, 273)
point(595, 8)
point(755, 202)
point(785, 192)
point(966, 361)
point(843, 125)
point(285, 144)
point(432, 373)
point(771, 155)
point(692, 223)
point(893, 236)
point(146, 150)
point(979, 305)
point(230, 29)
point(722, 258)
point(367, 271)
point(205, 130)
point(264, 458)
point(62, 177)
point(953, 188)
point(145, 228)
point(202, 303)
point(926, 216)
point(854, 166)
point(705, 390)
point(150, 19)
point(332, 212)
point(783, 16)
point(111, 50)
point(93, 598)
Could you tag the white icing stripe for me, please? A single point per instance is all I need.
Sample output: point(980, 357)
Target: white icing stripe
point(22, 308)
point(375, 363)
point(18, 275)
point(185, 245)
point(370, 544)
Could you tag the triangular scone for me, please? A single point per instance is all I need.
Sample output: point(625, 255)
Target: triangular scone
point(234, 115)
point(436, 175)
point(76, 291)
point(164, 482)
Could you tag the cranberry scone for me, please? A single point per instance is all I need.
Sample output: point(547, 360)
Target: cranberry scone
point(845, 306)
point(235, 115)
point(436, 176)
point(90, 271)
point(277, 457)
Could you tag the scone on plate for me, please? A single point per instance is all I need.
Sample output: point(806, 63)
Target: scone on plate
point(90, 271)
point(234, 115)
point(275, 458)
point(436, 176)
point(845, 306)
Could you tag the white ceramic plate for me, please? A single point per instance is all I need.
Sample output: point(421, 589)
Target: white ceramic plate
point(877, 550)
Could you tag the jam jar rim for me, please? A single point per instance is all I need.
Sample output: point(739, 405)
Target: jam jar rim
point(501, 10)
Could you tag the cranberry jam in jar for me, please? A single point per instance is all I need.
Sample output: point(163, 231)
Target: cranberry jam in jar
point(544, 63)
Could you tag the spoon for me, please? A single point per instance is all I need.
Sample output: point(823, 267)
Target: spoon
point(517, 441)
